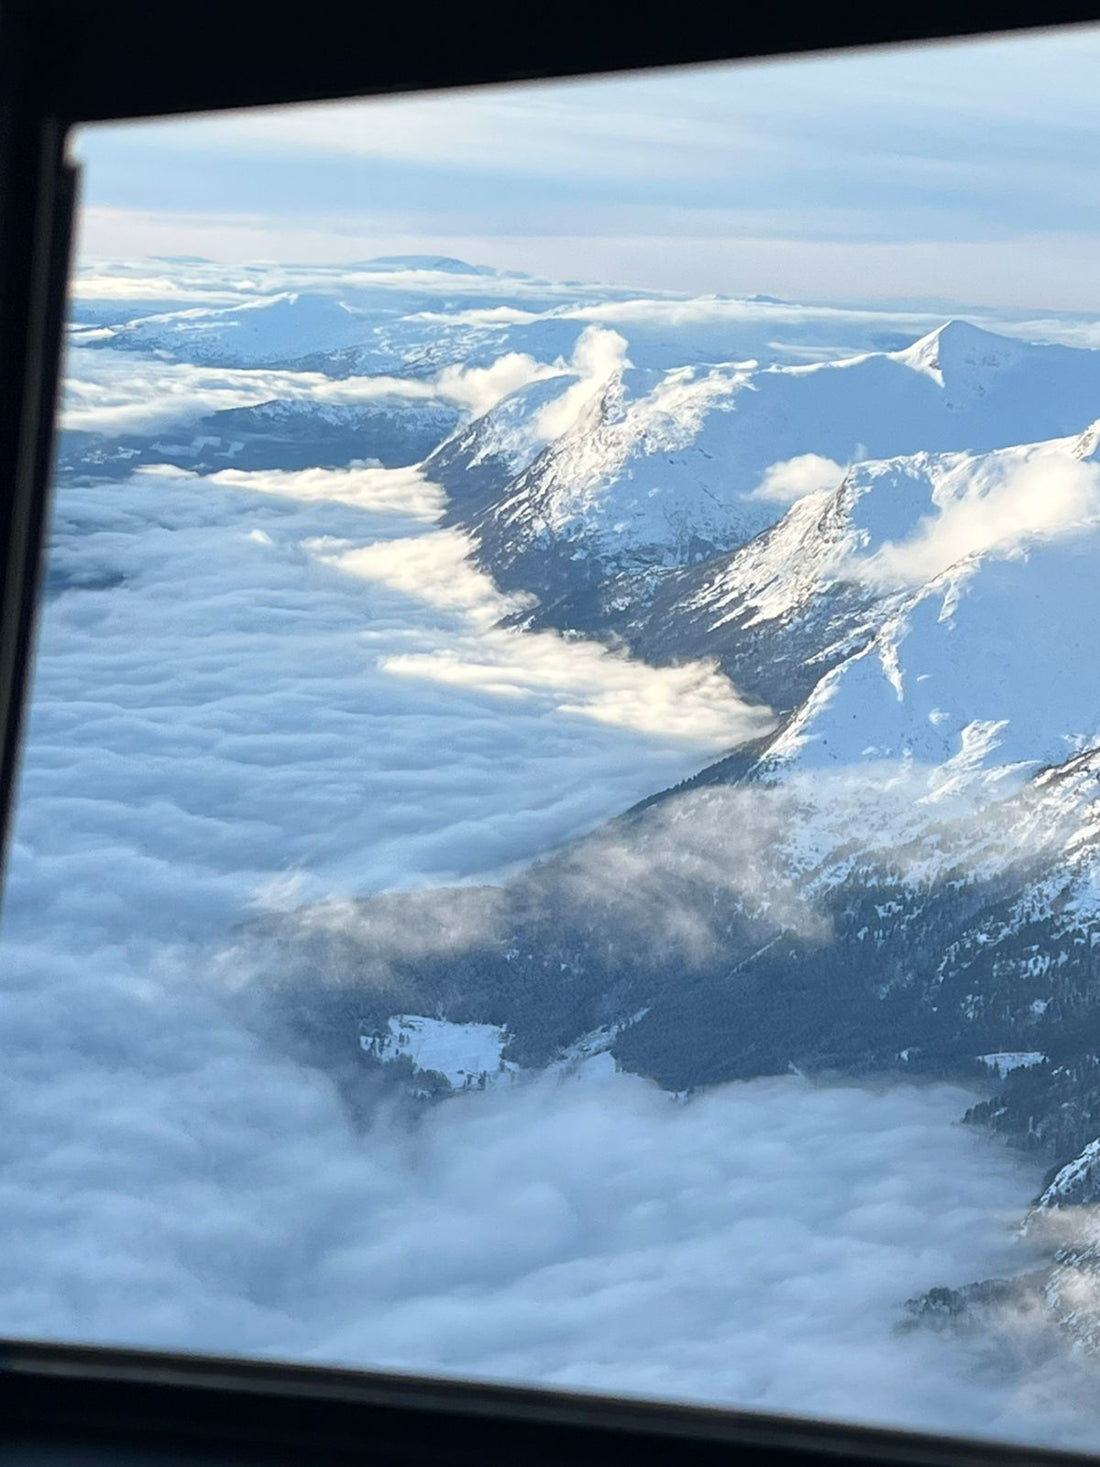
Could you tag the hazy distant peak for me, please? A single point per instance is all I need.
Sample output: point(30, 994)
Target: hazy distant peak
point(444, 264)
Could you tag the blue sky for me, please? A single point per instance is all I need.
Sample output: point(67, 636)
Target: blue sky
point(964, 172)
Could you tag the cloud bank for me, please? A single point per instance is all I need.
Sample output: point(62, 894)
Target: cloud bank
point(368, 487)
point(169, 1181)
point(693, 701)
point(206, 639)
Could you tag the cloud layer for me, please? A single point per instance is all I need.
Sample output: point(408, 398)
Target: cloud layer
point(691, 701)
point(170, 1182)
point(207, 640)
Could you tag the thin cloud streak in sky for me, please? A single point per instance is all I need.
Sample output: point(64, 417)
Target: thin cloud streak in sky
point(797, 265)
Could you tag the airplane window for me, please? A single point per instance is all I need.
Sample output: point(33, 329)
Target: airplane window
point(559, 829)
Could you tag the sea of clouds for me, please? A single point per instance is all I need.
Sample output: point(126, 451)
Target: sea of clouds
point(254, 691)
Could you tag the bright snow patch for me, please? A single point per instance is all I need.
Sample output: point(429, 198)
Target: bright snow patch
point(1004, 1063)
point(469, 1056)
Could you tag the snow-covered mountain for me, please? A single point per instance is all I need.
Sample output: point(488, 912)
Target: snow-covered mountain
point(258, 333)
point(882, 876)
point(421, 310)
point(626, 474)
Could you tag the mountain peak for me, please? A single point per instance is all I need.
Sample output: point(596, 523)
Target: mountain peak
point(957, 352)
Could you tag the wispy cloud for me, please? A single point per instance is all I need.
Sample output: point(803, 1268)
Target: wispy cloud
point(367, 487)
point(1038, 497)
point(793, 478)
point(598, 355)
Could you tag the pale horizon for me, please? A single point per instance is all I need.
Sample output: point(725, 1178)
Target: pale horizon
point(955, 172)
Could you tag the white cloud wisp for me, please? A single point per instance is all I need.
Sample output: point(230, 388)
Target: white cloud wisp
point(1043, 496)
point(793, 478)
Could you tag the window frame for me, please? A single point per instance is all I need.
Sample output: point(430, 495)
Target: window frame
point(61, 65)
